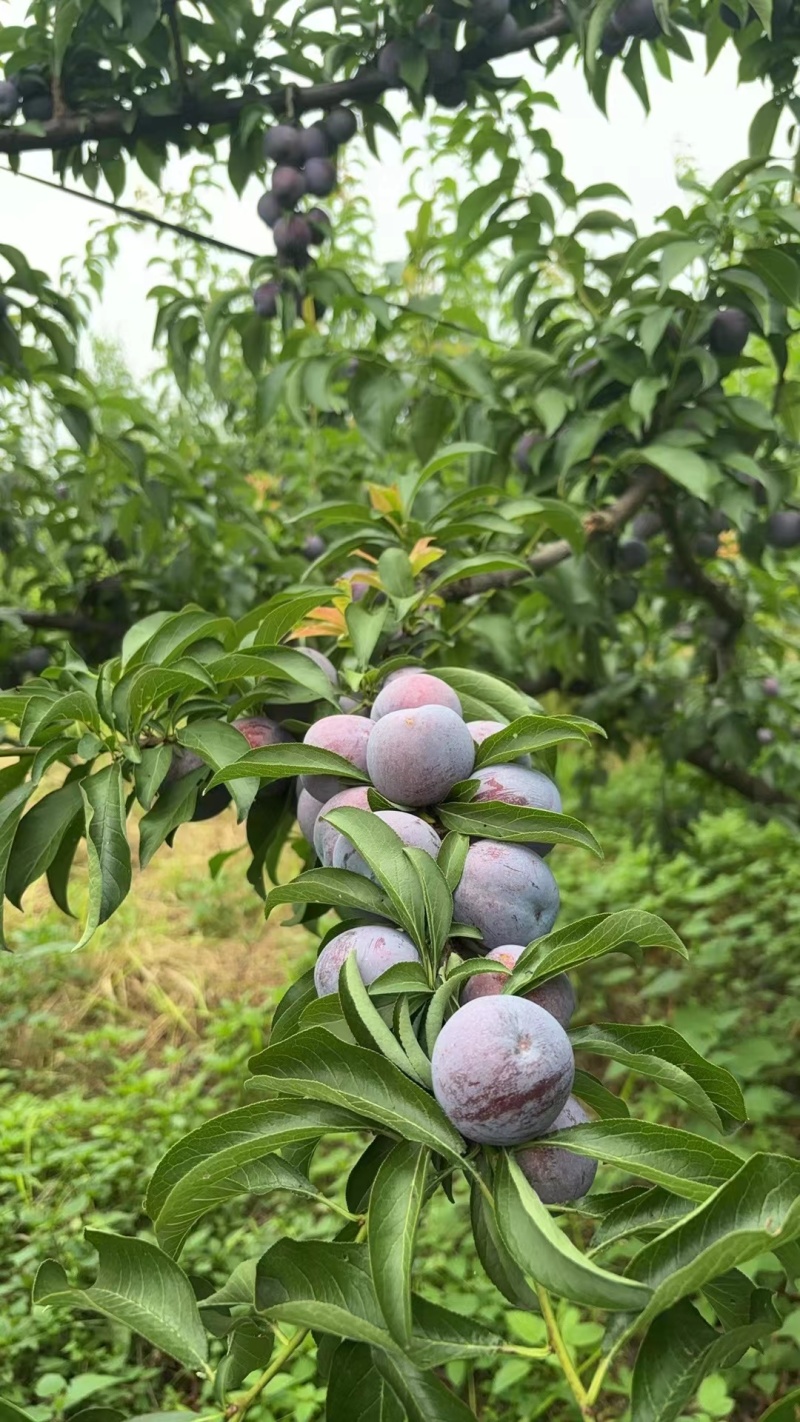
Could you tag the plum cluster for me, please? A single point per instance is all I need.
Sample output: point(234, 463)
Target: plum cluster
point(305, 167)
point(28, 90)
point(502, 1066)
point(488, 21)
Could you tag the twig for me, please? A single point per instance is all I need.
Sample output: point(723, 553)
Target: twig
point(600, 521)
point(707, 588)
point(238, 1409)
point(365, 86)
point(752, 787)
point(568, 1368)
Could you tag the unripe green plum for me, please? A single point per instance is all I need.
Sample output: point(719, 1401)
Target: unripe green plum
point(507, 892)
point(346, 736)
point(326, 837)
point(408, 692)
point(415, 757)
point(516, 785)
point(413, 831)
point(377, 948)
point(503, 1069)
point(557, 1175)
point(556, 996)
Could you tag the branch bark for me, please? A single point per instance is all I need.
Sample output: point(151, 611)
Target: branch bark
point(368, 84)
point(600, 521)
point(66, 622)
point(712, 592)
point(752, 787)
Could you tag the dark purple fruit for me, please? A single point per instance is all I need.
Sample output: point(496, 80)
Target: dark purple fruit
point(771, 686)
point(284, 144)
point(637, 18)
point(319, 225)
point(210, 804)
point(9, 99)
point(612, 42)
point(452, 94)
point(37, 109)
point(288, 186)
point(522, 450)
point(392, 57)
point(729, 331)
point(443, 64)
point(632, 555)
point(783, 529)
point(292, 235)
point(269, 209)
point(646, 524)
point(316, 143)
point(314, 547)
point(705, 545)
point(623, 596)
point(35, 660)
point(502, 36)
point(340, 125)
point(765, 736)
point(486, 14)
point(320, 176)
point(265, 299)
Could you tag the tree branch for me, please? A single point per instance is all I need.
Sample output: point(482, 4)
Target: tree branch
point(600, 521)
point(170, 8)
point(752, 787)
point(712, 592)
point(65, 622)
point(368, 84)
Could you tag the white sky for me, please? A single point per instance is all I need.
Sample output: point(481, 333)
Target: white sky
point(700, 117)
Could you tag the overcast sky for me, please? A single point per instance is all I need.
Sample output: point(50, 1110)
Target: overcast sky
point(701, 117)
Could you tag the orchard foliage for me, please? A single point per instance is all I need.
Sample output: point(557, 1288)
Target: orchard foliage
point(547, 452)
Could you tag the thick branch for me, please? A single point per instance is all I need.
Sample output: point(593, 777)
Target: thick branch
point(712, 592)
point(752, 787)
point(123, 124)
point(601, 521)
point(66, 622)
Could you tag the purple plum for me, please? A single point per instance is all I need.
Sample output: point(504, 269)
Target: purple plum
point(507, 892)
point(418, 689)
point(515, 785)
point(557, 1175)
point(413, 831)
point(377, 948)
point(344, 735)
point(415, 757)
point(325, 836)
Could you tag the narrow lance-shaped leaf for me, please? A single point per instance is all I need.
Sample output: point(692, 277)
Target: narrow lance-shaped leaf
point(437, 898)
point(665, 1056)
point(38, 836)
point(278, 762)
point(516, 824)
point(365, 1021)
point(686, 1164)
point(394, 1211)
point(11, 807)
point(383, 851)
point(107, 846)
point(137, 1286)
point(358, 1390)
point(335, 888)
point(528, 735)
point(546, 1254)
point(591, 938)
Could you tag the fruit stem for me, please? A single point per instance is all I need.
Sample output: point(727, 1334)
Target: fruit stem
point(560, 1349)
point(238, 1409)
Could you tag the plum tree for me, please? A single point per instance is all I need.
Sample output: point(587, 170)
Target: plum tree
point(557, 1175)
point(283, 144)
point(502, 1070)
point(326, 837)
point(347, 736)
point(517, 785)
point(637, 19)
point(413, 831)
point(729, 332)
point(783, 529)
point(320, 176)
point(415, 757)
point(507, 892)
point(377, 948)
point(556, 995)
point(408, 692)
point(486, 14)
point(308, 809)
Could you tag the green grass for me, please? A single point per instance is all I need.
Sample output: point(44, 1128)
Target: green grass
point(111, 1055)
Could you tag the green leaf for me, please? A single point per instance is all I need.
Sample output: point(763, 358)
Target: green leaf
point(452, 857)
point(779, 272)
point(474, 566)
point(174, 806)
point(249, 1349)
point(149, 773)
point(9, 1412)
point(136, 1286)
point(11, 807)
point(283, 613)
point(394, 1211)
point(665, 1056)
point(315, 1065)
point(365, 626)
point(680, 1349)
point(497, 1262)
point(688, 1165)
point(683, 467)
point(278, 762)
point(193, 1175)
point(532, 735)
point(756, 1211)
point(364, 1020)
point(645, 1212)
point(485, 697)
point(411, 484)
point(424, 1396)
point(675, 258)
point(383, 851)
point(43, 711)
point(546, 1254)
point(785, 1410)
point(762, 129)
point(597, 1097)
point(107, 847)
point(218, 743)
point(589, 938)
point(516, 824)
point(357, 1390)
point(437, 899)
point(255, 1177)
point(38, 837)
point(336, 888)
